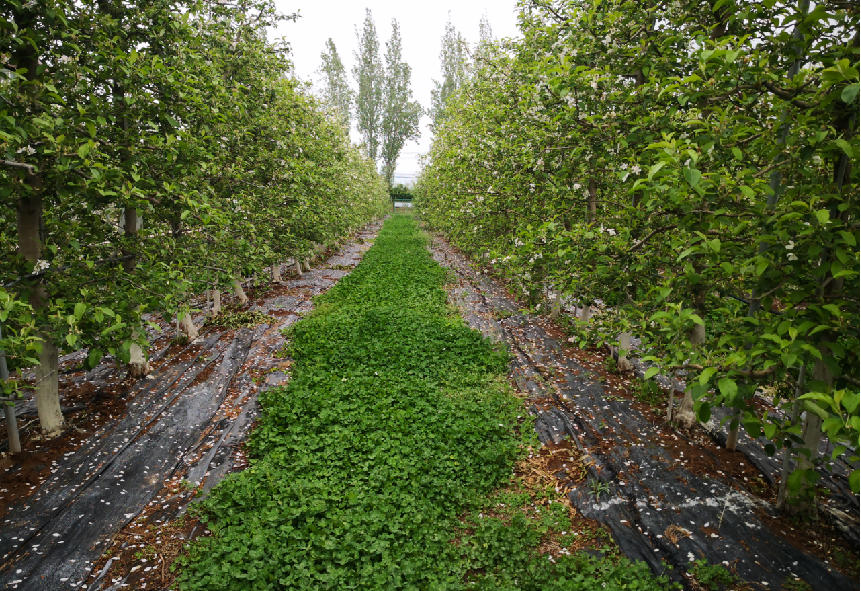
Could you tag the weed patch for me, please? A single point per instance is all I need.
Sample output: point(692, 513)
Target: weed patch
point(233, 319)
point(373, 467)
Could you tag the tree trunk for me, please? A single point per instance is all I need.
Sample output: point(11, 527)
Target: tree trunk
point(276, 273)
point(555, 306)
point(130, 227)
point(592, 205)
point(672, 399)
point(9, 408)
point(29, 220)
point(298, 268)
point(624, 348)
point(306, 264)
point(685, 415)
point(188, 326)
point(787, 456)
point(586, 314)
point(138, 364)
point(732, 436)
point(12, 427)
point(47, 389)
point(239, 292)
point(216, 303)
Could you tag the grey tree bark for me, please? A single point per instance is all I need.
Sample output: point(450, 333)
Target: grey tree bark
point(239, 292)
point(9, 408)
point(216, 302)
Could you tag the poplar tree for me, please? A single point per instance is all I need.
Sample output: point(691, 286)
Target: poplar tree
point(400, 114)
point(453, 59)
point(368, 73)
point(337, 93)
point(485, 32)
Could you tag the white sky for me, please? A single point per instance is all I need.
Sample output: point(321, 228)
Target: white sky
point(422, 27)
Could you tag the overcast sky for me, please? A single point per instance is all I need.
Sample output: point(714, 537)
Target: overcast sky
point(422, 27)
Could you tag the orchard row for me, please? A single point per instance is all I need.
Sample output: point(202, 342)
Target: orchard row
point(686, 173)
point(153, 150)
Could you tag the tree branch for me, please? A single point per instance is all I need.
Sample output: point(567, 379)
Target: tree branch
point(772, 167)
point(28, 167)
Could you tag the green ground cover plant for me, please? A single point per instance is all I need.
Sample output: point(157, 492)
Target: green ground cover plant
point(370, 466)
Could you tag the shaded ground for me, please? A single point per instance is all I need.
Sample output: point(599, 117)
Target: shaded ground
point(668, 497)
point(90, 509)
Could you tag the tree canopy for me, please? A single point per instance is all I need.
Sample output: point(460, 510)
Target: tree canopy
point(153, 149)
point(690, 169)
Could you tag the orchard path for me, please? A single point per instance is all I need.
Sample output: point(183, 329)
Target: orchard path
point(184, 423)
point(667, 497)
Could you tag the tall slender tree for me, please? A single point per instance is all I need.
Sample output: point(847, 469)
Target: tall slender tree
point(368, 73)
point(485, 32)
point(453, 59)
point(401, 115)
point(336, 91)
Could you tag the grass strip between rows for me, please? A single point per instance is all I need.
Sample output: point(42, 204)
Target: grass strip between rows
point(371, 467)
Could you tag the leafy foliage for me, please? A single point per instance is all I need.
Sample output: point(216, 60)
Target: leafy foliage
point(401, 114)
point(393, 424)
point(336, 90)
point(671, 161)
point(229, 318)
point(453, 53)
point(155, 149)
point(713, 576)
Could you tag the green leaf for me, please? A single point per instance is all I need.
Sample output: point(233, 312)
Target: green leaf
point(788, 359)
point(833, 308)
point(704, 412)
point(811, 406)
point(823, 215)
point(651, 372)
point(113, 328)
point(94, 357)
point(693, 176)
point(845, 146)
point(706, 374)
point(838, 451)
point(654, 169)
point(850, 400)
point(793, 483)
point(738, 154)
point(80, 308)
point(747, 191)
point(854, 481)
point(849, 93)
point(728, 387)
point(83, 150)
